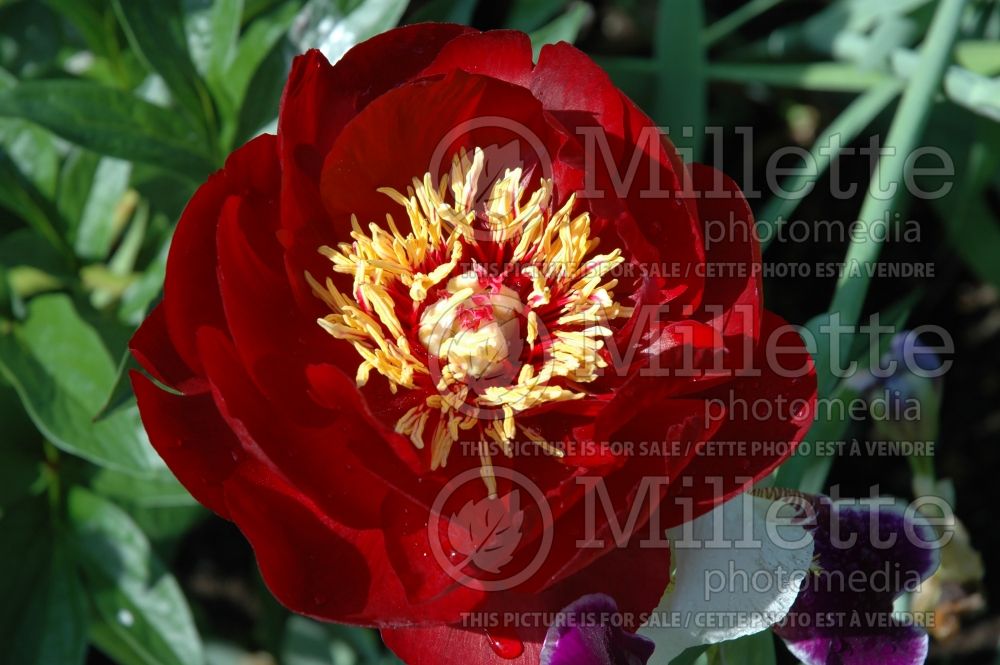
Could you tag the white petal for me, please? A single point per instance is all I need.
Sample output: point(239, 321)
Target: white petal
point(737, 571)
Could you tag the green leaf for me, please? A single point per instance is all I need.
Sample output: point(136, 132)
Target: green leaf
point(682, 90)
point(565, 28)
point(99, 221)
point(30, 34)
point(86, 18)
point(213, 30)
point(159, 490)
point(257, 44)
point(732, 22)
point(43, 613)
point(140, 294)
point(19, 195)
point(822, 76)
point(973, 229)
point(904, 135)
point(110, 122)
point(528, 15)
point(448, 11)
point(323, 24)
point(24, 248)
point(844, 129)
point(142, 616)
point(75, 182)
point(808, 471)
point(226, 17)
point(33, 150)
point(20, 450)
point(982, 57)
point(692, 656)
point(751, 650)
point(63, 374)
point(308, 642)
point(155, 29)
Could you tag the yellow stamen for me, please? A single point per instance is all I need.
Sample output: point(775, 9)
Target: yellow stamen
point(473, 328)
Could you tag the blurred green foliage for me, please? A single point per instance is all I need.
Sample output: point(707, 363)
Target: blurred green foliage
point(113, 111)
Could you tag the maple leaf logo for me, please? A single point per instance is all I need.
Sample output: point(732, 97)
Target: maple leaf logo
point(488, 531)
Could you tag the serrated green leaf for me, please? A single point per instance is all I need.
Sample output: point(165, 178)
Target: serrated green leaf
point(110, 122)
point(63, 374)
point(142, 616)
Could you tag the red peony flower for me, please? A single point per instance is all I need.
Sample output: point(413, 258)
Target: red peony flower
point(429, 344)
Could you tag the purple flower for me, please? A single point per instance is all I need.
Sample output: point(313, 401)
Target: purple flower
point(866, 556)
point(588, 632)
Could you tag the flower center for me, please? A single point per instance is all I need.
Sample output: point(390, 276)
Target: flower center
point(474, 331)
point(491, 304)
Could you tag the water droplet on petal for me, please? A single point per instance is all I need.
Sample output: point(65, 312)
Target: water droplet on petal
point(508, 648)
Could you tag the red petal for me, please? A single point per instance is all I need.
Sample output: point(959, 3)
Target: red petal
point(276, 340)
point(583, 97)
point(318, 101)
point(430, 120)
point(447, 645)
point(768, 414)
point(191, 437)
point(634, 576)
point(501, 54)
point(153, 349)
point(191, 293)
point(733, 293)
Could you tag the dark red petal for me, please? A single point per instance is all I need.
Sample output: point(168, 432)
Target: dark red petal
point(276, 340)
point(429, 120)
point(768, 414)
point(501, 54)
point(155, 352)
point(321, 98)
point(733, 295)
point(641, 167)
point(447, 645)
point(635, 576)
point(316, 566)
point(192, 438)
point(191, 292)
point(310, 562)
point(318, 101)
point(315, 459)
